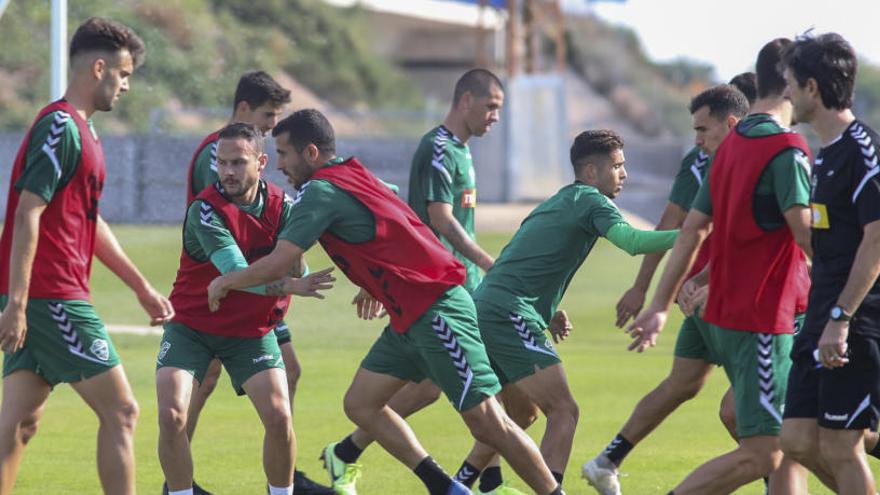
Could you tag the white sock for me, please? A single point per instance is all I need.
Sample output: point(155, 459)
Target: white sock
point(274, 490)
point(188, 491)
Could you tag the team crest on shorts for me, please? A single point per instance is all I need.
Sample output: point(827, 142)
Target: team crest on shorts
point(100, 349)
point(163, 349)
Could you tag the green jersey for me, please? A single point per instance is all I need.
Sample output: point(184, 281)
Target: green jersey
point(53, 154)
point(694, 168)
point(204, 169)
point(533, 271)
point(442, 171)
point(784, 183)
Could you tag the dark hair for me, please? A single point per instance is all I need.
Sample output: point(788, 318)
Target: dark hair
point(590, 143)
point(305, 127)
point(256, 88)
point(100, 34)
point(241, 130)
point(747, 83)
point(771, 82)
point(478, 82)
point(722, 100)
point(830, 60)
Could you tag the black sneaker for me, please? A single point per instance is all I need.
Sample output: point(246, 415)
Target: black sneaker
point(302, 485)
point(197, 490)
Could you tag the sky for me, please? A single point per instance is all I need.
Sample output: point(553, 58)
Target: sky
point(729, 34)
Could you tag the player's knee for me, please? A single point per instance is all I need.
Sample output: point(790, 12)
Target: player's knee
point(800, 448)
point(172, 419)
point(682, 390)
point(835, 452)
point(124, 416)
point(427, 395)
point(277, 419)
point(524, 415)
point(761, 463)
point(27, 429)
point(293, 371)
point(356, 410)
point(727, 415)
point(486, 427)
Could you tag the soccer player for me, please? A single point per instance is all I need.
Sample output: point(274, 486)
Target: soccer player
point(756, 204)
point(380, 244)
point(228, 225)
point(519, 297)
point(833, 389)
point(442, 192)
point(49, 331)
point(714, 111)
point(258, 100)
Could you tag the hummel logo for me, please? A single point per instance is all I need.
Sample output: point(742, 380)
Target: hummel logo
point(264, 357)
point(836, 417)
point(830, 173)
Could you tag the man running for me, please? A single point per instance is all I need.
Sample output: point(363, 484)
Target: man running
point(49, 331)
point(381, 246)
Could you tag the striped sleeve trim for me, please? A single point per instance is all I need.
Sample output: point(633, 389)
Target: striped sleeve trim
point(869, 156)
point(213, 163)
point(698, 166)
point(440, 141)
point(206, 216)
point(50, 146)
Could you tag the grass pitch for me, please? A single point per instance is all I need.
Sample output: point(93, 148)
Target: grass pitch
point(606, 380)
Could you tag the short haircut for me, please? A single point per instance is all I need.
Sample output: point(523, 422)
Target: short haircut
point(305, 127)
point(831, 61)
point(747, 83)
point(592, 143)
point(248, 132)
point(771, 81)
point(100, 34)
point(258, 88)
point(477, 82)
point(722, 100)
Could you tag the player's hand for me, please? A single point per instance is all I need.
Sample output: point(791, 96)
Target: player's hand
point(560, 326)
point(832, 344)
point(13, 329)
point(629, 305)
point(157, 306)
point(368, 307)
point(216, 290)
point(645, 329)
point(309, 285)
point(694, 302)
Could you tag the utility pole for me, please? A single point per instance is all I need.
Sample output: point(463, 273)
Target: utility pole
point(59, 48)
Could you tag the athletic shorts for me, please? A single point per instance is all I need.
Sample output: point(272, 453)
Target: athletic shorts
point(846, 398)
point(757, 365)
point(444, 345)
point(192, 351)
point(516, 345)
point(66, 342)
point(282, 333)
point(691, 340)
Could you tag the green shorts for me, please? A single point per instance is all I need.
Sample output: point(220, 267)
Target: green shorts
point(444, 345)
point(515, 345)
point(757, 366)
point(691, 340)
point(282, 333)
point(65, 342)
point(192, 351)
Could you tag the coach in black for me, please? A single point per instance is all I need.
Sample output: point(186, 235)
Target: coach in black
point(833, 385)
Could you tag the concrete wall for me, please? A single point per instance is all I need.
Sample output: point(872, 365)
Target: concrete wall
point(146, 174)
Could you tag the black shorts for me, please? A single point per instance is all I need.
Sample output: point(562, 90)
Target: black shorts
point(846, 398)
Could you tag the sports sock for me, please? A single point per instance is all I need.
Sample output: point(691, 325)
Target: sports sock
point(490, 479)
point(467, 474)
point(284, 490)
point(875, 452)
point(347, 451)
point(433, 476)
point(188, 491)
point(557, 476)
point(557, 491)
point(617, 450)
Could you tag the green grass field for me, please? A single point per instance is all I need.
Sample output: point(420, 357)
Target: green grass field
point(606, 380)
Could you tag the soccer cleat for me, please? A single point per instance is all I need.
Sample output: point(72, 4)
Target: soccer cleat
point(502, 489)
point(343, 475)
point(302, 485)
point(603, 479)
point(197, 490)
point(457, 488)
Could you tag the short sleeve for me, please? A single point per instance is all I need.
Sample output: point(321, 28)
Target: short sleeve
point(312, 211)
point(687, 181)
point(207, 228)
point(703, 200)
point(204, 172)
point(791, 179)
point(599, 214)
point(437, 178)
point(866, 193)
point(53, 153)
